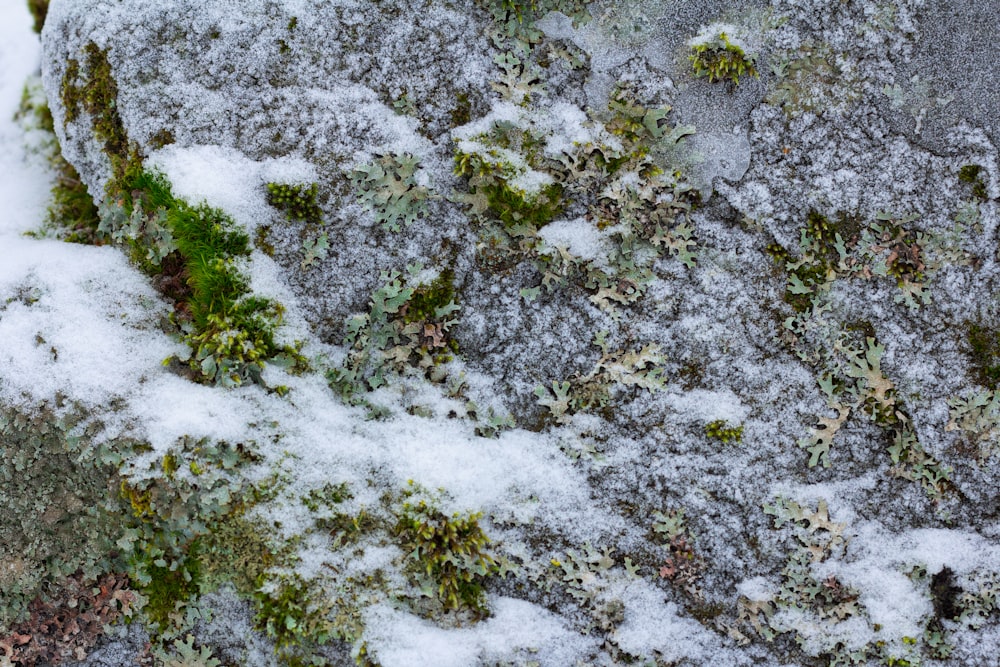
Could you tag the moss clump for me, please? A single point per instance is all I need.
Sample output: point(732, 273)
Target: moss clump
point(95, 90)
point(720, 59)
point(72, 207)
point(984, 347)
point(231, 332)
point(70, 91)
point(297, 201)
point(431, 302)
point(461, 114)
point(290, 614)
point(168, 588)
point(971, 174)
point(504, 201)
point(39, 9)
point(721, 430)
point(450, 550)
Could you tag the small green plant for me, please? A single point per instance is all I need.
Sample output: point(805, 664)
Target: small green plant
point(451, 550)
point(720, 58)
point(984, 347)
point(297, 201)
point(721, 430)
point(94, 89)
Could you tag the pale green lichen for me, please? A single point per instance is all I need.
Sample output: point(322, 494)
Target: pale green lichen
point(389, 189)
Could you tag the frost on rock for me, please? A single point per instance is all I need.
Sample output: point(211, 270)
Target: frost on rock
point(489, 332)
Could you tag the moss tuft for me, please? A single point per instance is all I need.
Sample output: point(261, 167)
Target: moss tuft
point(721, 59)
point(984, 347)
point(971, 174)
point(721, 430)
point(39, 9)
point(427, 301)
point(451, 550)
point(297, 201)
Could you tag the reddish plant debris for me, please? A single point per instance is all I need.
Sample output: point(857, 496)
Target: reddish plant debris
point(683, 566)
point(68, 625)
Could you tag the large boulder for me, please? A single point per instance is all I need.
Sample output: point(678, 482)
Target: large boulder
point(514, 332)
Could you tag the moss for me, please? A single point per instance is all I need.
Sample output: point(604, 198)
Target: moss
point(162, 138)
point(721, 430)
point(461, 114)
point(327, 496)
point(96, 92)
point(233, 332)
point(100, 99)
point(167, 588)
point(236, 551)
point(39, 9)
point(721, 60)
point(971, 174)
point(513, 207)
point(428, 300)
point(297, 201)
point(72, 206)
point(289, 613)
point(984, 351)
point(70, 91)
point(451, 550)
point(260, 240)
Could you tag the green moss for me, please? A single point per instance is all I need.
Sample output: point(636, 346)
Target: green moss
point(428, 301)
point(96, 92)
point(970, 174)
point(297, 201)
point(260, 240)
point(722, 431)
point(70, 91)
point(39, 9)
point(232, 332)
point(327, 496)
point(721, 60)
point(451, 550)
point(236, 551)
point(72, 209)
point(167, 588)
point(100, 99)
point(461, 114)
point(984, 347)
point(162, 138)
point(289, 613)
point(72, 206)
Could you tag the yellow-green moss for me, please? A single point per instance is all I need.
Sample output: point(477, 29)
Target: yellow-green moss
point(39, 9)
